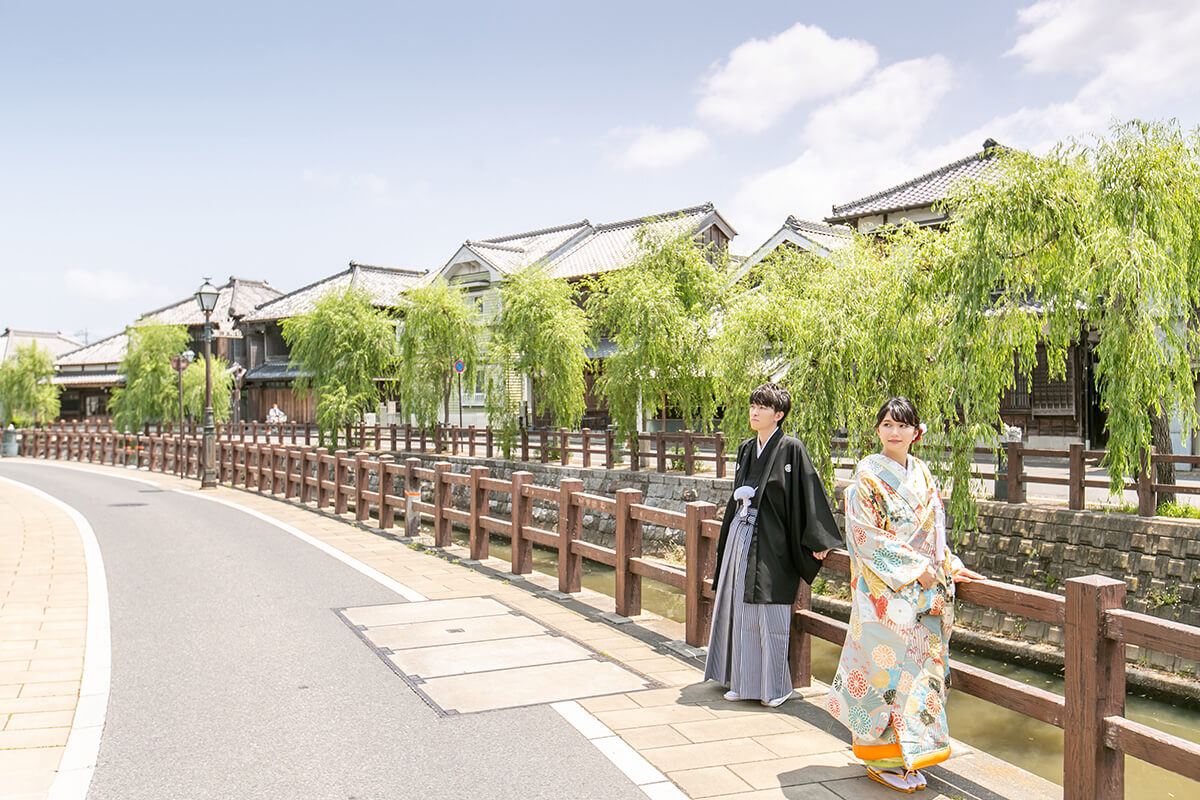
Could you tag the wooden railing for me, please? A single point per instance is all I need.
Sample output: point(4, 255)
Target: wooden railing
point(686, 451)
point(1096, 627)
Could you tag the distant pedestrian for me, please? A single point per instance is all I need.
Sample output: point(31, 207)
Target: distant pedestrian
point(892, 680)
point(275, 417)
point(778, 526)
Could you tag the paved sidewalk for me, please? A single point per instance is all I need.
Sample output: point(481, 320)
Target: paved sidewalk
point(709, 747)
point(43, 621)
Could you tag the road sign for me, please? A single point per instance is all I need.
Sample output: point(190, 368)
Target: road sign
point(459, 366)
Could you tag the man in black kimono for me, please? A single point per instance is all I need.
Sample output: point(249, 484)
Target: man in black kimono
point(778, 526)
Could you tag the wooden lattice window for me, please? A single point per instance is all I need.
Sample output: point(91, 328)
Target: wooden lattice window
point(1052, 395)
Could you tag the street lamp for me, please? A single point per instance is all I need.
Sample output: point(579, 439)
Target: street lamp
point(206, 297)
point(180, 363)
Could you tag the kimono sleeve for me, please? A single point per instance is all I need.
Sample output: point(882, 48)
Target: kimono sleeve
point(811, 525)
point(882, 558)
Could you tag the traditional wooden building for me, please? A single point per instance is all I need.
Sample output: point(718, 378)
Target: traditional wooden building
point(1051, 411)
point(572, 251)
point(270, 377)
point(88, 374)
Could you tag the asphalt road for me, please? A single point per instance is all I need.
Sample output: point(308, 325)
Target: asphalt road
point(233, 678)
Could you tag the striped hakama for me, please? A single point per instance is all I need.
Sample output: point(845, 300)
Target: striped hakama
point(748, 644)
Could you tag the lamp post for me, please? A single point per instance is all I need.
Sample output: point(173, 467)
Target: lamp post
point(206, 297)
point(180, 363)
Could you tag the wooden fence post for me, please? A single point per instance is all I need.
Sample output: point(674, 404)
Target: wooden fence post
point(488, 440)
point(628, 594)
point(1076, 475)
point(471, 441)
point(479, 508)
point(392, 434)
point(387, 511)
point(441, 501)
point(719, 450)
point(360, 487)
point(800, 642)
point(689, 453)
point(1147, 497)
point(635, 452)
point(587, 447)
point(341, 501)
point(1094, 683)
point(545, 448)
point(522, 548)
point(564, 453)
point(609, 450)
point(570, 564)
point(377, 435)
point(695, 513)
point(1016, 470)
point(660, 443)
point(524, 444)
point(412, 493)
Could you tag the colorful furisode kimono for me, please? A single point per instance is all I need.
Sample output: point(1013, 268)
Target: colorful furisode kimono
point(892, 680)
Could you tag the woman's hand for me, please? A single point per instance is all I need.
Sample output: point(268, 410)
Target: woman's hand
point(965, 575)
point(821, 555)
point(927, 578)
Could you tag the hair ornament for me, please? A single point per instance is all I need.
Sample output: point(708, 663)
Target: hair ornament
point(920, 432)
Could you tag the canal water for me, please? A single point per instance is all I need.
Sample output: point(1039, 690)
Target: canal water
point(1032, 745)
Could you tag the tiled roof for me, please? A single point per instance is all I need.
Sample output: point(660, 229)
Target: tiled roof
point(235, 299)
point(53, 341)
point(109, 350)
point(110, 378)
point(925, 189)
point(581, 248)
point(614, 245)
point(813, 237)
point(383, 284)
point(273, 371)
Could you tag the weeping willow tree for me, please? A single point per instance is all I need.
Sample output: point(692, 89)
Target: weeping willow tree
point(843, 333)
point(151, 389)
point(27, 394)
point(661, 312)
point(341, 347)
point(1099, 238)
point(542, 332)
point(438, 328)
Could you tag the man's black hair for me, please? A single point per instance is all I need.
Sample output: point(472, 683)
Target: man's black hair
point(773, 396)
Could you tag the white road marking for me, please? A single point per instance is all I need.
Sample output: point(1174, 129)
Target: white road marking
point(643, 774)
point(83, 742)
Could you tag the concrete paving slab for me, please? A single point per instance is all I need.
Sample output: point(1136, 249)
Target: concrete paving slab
point(485, 656)
point(551, 683)
point(709, 781)
point(456, 631)
point(401, 613)
point(802, 769)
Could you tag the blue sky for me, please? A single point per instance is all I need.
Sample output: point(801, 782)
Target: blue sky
point(146, 145)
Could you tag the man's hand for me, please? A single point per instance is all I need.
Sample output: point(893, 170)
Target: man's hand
point(821, 555)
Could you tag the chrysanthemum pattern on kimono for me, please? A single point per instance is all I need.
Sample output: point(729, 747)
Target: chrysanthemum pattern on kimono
point(891, 683)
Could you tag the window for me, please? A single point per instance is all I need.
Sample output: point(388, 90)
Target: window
point(1053, 395)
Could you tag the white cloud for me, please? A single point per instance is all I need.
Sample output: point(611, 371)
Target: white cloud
point(653, 147)
point(110, 286)
point(853, 145)
point(764, 79)
point(1135, 54)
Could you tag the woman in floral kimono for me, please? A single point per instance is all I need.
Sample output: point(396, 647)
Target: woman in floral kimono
point(891, 683)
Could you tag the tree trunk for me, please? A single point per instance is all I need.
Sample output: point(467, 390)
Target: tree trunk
point(1160, 428)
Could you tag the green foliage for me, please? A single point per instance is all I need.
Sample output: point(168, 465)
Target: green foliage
point(150, 393)
point(1179, 510)
point(1101, 237)
point(26, 394)
point(661, 312)
point(341, 347)
point(193, 389)
point(151, 390)
point(438, 328)
point(502, 407)
point(842, 333)
point(542, 333)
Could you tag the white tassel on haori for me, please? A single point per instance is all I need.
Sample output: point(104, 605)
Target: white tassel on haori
point(744, 494)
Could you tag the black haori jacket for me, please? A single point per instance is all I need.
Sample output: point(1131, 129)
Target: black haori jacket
point(794, 521)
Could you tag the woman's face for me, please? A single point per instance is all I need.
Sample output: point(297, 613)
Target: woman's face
point(764, 418)
point(896, 437)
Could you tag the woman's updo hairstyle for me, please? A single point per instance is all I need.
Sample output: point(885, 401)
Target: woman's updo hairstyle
point(901, 409)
